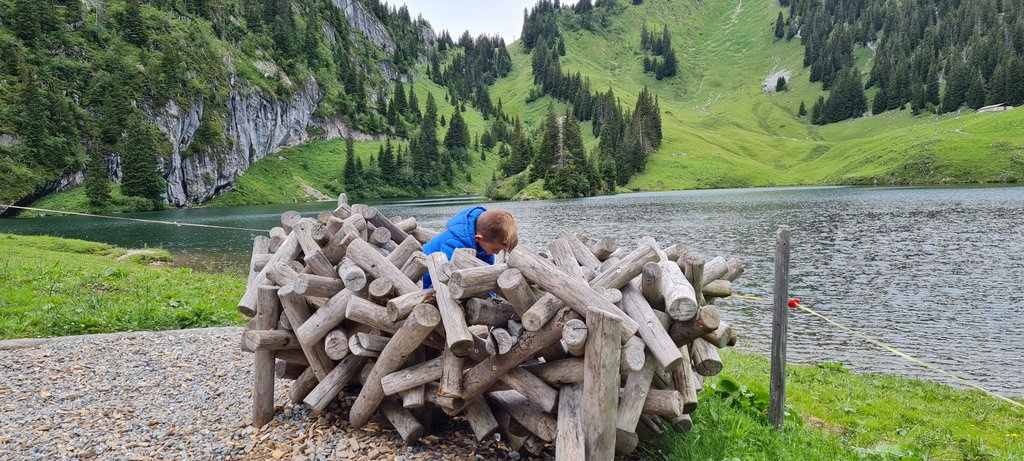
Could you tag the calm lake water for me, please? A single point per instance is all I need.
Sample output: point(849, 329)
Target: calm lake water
point(935, 271)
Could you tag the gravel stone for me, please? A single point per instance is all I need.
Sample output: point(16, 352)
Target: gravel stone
point(182, 394)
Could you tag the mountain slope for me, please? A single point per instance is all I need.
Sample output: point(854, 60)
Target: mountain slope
point(722, 130)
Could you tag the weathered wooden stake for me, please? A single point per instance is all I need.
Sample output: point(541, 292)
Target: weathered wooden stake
point(777, 387)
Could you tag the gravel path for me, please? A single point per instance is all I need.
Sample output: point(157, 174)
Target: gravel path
point(179, 395)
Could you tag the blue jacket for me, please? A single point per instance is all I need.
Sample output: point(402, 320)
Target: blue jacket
point(461, 233)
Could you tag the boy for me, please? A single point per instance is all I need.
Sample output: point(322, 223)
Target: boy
point(485, 231)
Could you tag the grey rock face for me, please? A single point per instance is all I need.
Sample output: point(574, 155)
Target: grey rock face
point(363, 21)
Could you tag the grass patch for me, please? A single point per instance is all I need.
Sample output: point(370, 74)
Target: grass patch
point(844, 416)
point(55, 287)
point(75, 200)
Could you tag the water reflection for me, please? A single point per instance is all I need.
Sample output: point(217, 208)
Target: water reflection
point(933, 271)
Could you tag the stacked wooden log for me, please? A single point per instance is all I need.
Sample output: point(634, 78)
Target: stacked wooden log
point(586, 348)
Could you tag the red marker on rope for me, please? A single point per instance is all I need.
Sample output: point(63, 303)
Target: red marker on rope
point(794, 303)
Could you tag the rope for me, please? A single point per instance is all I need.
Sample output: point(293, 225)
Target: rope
point(894, 351)
point(151, 221)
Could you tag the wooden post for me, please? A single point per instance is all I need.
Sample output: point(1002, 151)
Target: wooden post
point(569, 446)
point(268, 308)
point(601, 384)
point(457, 335)
point(651, 329)
point(777, 387)
point(516, 291)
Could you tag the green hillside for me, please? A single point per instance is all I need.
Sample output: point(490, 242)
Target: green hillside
point(722, 130)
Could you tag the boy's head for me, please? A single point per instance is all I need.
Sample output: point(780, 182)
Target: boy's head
point(496, 231)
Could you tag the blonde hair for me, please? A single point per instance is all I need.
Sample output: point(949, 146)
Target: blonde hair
point(498, 227)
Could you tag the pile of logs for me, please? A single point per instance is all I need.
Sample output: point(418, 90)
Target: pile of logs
point(587, 348)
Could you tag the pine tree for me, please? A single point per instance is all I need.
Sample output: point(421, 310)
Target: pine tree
point(97, 183)
point(803, 109)
point(879, 104)
point(349, 174)
point(780, 84)
point(457, 136)
point(132, 24)
point(24, 20)
point(398, 102)
point(818, 111)
point(548, 152)
point(425, 161)
point(669, 67)
point(140, 176)
point(975, 96)
point(780, 30)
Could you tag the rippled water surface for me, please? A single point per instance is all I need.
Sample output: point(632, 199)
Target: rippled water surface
point(936, 272)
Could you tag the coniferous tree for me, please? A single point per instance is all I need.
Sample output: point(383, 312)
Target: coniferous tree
point(975, 96)
point(414, 106)
point(957, 84)
point(818, 111)
point(780, 84)
point(425, 161)
point(97, 183)
point(24, 20)
point(457, 136)
point(803, 109)
point(780, 29)
point(349, 174)
point(545, 156)
point(139, 174)
point(881, 101)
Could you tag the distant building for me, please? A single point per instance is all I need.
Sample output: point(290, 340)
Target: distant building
point(996, 108)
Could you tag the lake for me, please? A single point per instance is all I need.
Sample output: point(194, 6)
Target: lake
point(933, 271)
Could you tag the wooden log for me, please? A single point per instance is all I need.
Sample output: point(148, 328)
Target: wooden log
point(268, 340)
point(401, 254)
point(284, 369)
point(563, 257)
point(707, 320)
point(290, 219)
point(714, 270)
point(534, 446)
point(735, 269)
point(335, 248)
point(366, 344)
point(653, 424)
point(610, 262)
point(403, 420)
point(515, 328)
point(502, 340)
point(413, 332)
point(570, 443)
point(283, 323)
point(305, 229)
point(451, 375)
point(379, 220)
point(407, 224)
point(625, 442)
point(541, 311)
point(650, 328)
point(603, 248)
point(631, 403)
point(457, 335)
point(600, 388)
point(288, 250)
point(372, 315)
point(277, 237)
point(268, 308)
point(694, 265)
point(377, 265)
point(583, 255)
point(297, 310)
point(415, 397)
point(665, 286)
point(334, 224)
point(531, 387)
point(413, 376)
point(682, 423)
point(292, 355)
point(329, 387)
point(481, 376)
point(296, 268)
point(718, 289)
point(488, 312)
point(481, 419)
point(510, 428)
point(336, 344)
point(423, 235)
point(627, 268)
point(675, 251)
point(399, 307)
point(574, 337)
point(380, 236)
point(318, 286)
point(573, 292)
point(354, 278)
point(465, 258)
point(526, 413)
point(632, 355)
point(721, 336)
point(648, 240)
point(260, 248)
point(381, 291)
point(515, 289)
point(325, 319)
point(706, 361)
point(465, 283)
point(667, 403)
point(316, 263)
point(302, 386)
point(683, 381)
point(415, 267)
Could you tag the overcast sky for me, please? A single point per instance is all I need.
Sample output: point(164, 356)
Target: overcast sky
point(502, 17)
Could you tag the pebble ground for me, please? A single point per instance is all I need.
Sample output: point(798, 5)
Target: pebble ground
point(181, 395)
